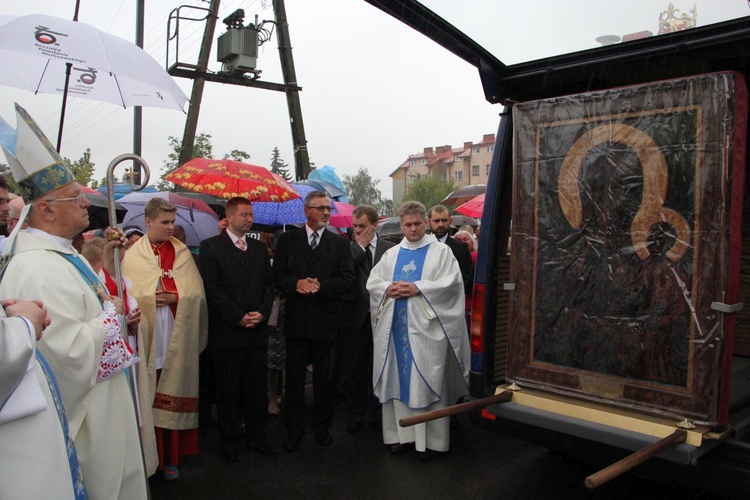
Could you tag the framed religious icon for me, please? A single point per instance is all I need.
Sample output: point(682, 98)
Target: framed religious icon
point(626, 245)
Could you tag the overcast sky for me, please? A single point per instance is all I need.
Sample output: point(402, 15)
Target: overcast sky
point(374, 91)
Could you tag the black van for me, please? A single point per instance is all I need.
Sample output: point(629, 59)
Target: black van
point(613, 258)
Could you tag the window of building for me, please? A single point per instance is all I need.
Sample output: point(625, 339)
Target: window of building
point(475, 150)
point(424, 161)
point(412, 163)
point(475, 170)
point(490, 149)
point(459, 175)
point(488, 169)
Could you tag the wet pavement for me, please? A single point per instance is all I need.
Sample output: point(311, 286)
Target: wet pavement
point(482, 464)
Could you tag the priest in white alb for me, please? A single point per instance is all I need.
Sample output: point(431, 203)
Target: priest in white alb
point(421, 346)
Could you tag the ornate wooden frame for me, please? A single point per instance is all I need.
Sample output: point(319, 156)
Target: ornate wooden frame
point(626, 212)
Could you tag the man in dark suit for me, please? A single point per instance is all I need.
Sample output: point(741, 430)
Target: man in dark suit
point(440, 221)
point(314, 268)
point(356, 335)
point(239, 288)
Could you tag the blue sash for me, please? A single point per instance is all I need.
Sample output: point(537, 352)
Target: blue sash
point(75, 470)
point(409, 264)
point(86, 272)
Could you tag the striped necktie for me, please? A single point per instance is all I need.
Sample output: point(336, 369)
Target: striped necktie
point(314, 241)
point(241, 244)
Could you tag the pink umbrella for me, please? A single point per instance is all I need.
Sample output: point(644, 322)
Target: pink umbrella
point(472, 208)
point(344, 217)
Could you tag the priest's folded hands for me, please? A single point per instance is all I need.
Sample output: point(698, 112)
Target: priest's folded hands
point(402, 290)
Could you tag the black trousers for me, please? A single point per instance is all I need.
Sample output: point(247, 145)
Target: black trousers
point(300, 352)
point(241, 388)
point(356, 352)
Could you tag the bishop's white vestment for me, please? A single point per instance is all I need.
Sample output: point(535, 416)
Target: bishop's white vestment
point(101, 413)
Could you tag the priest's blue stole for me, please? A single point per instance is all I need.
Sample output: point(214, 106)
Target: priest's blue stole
point(409, 264)
point(75, 469)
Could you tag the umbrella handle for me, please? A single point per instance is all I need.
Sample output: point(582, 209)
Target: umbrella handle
point(112, 210)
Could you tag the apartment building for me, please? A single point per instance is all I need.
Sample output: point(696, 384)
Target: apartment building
point(468, 164)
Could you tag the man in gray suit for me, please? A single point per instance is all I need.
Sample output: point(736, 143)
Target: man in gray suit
point(356, 335)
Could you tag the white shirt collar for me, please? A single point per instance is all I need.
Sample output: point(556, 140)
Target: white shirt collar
point(444, 238)
point(234, 238)
point(310, 232)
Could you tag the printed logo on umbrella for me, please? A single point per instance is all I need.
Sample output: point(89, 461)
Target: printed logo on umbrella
point(88, 75)
point(46, 36)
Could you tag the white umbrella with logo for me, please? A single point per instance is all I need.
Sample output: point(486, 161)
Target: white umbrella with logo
point(37, 50)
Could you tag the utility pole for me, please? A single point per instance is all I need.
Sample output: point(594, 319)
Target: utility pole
point(235, 65)
point(191, 124)
point(301, 157)
point(135, 172)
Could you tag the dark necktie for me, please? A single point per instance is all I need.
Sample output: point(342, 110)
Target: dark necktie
point(314, 241)
point(368, 256)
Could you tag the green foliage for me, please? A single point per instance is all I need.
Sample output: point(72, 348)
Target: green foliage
point(363, 190)
point(278, 166)
point(236, 155)
point(83, 168)
point(429, 190)
point(202, 148)
point(103, 182)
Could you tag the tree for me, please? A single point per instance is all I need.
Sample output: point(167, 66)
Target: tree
point(236, 155)
point(429, 190)
point(202, 148)
point(278, 166)
point(83, 168)
point(103, 182)
point(363, 190)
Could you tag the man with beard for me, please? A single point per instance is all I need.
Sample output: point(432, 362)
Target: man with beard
point(440, 223)
point(4, 205)
point(314, 268)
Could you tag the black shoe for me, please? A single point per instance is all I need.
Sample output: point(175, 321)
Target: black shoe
point(354, 427)
point(263, 449)
point(398, 448)
point(229, 455)
point(428, 454)
point(324, 438)
point(292, 442)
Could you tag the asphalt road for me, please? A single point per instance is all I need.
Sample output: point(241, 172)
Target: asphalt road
point(482, 464)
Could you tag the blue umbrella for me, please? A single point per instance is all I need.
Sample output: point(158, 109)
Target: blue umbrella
point(333, 191)
point(290, 212)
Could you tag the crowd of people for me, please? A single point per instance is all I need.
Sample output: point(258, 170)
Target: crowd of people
point(103, 383)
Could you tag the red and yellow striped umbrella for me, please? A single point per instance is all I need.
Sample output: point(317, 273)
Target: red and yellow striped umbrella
point(228, 178)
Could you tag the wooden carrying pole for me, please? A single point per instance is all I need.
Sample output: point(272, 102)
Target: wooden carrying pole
point(637, 458)
point(502, 397)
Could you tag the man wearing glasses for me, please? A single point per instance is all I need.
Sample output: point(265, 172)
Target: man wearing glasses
point(314, 268)
point(82, 345)
point(239, 289)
